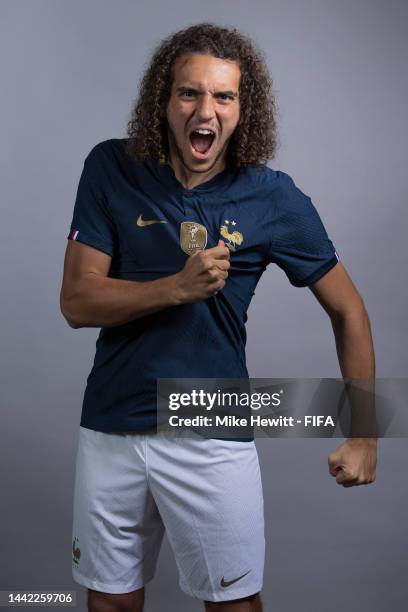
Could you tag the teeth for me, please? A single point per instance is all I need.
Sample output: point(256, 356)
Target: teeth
point(202, 131)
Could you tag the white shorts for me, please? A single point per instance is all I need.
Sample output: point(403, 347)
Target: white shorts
point(206, 494)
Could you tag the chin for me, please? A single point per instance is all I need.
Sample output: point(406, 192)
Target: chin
point(204, 163)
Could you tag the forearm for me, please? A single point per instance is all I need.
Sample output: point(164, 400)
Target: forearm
point(354, 345)
point(100, 301)
point(357, 363)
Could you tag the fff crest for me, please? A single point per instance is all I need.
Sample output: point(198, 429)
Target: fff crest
point(234, 238)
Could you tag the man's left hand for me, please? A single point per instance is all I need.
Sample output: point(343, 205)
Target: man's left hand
point(354, 462)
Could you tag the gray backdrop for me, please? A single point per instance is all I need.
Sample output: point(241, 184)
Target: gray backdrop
point(69, 77)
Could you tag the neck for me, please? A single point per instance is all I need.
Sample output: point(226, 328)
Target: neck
point(189, 178)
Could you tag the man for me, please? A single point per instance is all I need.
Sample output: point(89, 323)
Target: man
point(172, 229)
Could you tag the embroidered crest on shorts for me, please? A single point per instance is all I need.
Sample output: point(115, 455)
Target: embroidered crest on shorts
point(234, 237)
point(76, 553)
point(193, 237)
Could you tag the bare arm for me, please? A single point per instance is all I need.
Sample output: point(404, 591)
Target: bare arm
point(350, 322)
point(354, 462)
point(89, 298)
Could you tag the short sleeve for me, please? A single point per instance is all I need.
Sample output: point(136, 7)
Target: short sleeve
point(92, 222)
point(299, 243)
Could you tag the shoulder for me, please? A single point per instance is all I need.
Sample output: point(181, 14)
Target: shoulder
point(269, 179)
point(106, 159)
point(108, 149)
point(276, 188)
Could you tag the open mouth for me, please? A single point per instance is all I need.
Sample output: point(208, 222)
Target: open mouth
point(201, 142)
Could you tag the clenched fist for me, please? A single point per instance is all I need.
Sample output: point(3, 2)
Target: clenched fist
point(354, 462)
point(203, 275)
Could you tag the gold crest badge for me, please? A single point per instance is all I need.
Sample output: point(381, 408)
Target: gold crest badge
point(193, 237)
point(233, 238)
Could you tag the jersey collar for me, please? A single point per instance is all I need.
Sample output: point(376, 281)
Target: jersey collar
point(165, 174)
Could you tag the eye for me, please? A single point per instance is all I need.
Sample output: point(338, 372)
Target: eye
point(187, 93)
point(225, 97)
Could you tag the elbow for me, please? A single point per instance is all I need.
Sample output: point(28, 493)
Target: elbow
point(68, 313)
point(355, 312)
point(73, 324)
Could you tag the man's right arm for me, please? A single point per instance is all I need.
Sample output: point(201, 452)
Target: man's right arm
point(89, 298)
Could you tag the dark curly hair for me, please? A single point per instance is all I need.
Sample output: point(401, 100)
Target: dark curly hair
point(254, 140)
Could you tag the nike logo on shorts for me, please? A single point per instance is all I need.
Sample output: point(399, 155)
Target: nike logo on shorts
point(227, 583)
point(143, 223)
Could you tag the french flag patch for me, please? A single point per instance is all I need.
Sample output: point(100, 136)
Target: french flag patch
point(335, 252)
point(73, 235)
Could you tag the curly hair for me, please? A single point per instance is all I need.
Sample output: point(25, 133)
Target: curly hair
point(253, 141)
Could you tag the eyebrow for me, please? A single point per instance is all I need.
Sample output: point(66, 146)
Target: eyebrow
point(234, 94)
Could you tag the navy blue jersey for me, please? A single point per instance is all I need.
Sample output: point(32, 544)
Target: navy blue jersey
point(259, 213)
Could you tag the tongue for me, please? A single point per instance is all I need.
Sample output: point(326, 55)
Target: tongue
point(200, 142)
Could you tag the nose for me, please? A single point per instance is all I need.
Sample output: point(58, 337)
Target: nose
point(205, 107)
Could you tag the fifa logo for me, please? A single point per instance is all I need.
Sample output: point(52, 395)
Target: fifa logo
point(193, 237)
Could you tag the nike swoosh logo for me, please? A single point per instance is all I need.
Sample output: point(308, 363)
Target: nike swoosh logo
point(143, 223)
point(227, 583)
